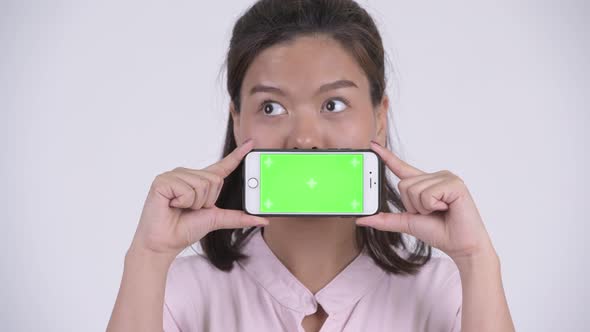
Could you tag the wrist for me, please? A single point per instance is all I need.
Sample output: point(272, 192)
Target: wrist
point(483, 260)
point(137, 255)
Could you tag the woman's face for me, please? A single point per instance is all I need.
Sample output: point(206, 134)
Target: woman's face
point(308, 94)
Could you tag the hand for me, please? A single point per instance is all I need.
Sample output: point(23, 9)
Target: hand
point(179, 209)
point(440, 210)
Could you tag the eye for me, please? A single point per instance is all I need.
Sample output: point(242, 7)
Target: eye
point(269, 106)
point(333, 104)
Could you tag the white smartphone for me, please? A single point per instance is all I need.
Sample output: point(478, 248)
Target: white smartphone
point(312, 182)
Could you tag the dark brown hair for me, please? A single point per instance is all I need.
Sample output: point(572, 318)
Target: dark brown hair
point(268, 23)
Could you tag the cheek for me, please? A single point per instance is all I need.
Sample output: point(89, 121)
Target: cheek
point(357, 130)
point(265, 135)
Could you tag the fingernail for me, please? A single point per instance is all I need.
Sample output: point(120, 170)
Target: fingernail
point(375, 142)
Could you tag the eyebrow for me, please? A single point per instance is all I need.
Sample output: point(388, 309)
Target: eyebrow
point(326, 87)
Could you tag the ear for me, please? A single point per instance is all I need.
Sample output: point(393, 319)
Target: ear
point(236, 119)
point(381, 118)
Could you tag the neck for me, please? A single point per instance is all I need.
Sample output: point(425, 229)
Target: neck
point(314, 250)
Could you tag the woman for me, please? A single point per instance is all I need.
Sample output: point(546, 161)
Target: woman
point(308, 74)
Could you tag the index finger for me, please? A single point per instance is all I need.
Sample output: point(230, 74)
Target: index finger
point(399, 167)
point(228, 164)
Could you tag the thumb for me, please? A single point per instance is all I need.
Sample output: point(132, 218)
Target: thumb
point(226, 218)
point(416, 225)
point(205, 220)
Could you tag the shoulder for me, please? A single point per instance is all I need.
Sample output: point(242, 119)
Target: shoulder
point(194, 272)
point(185, 266)
point(188, 277)
point(189, 284)
point(433, 295)
point(440, 272)
point(440, 283)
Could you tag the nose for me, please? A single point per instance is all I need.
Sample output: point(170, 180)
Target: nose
point(305, 133)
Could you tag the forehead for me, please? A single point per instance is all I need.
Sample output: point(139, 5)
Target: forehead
point(304, 64)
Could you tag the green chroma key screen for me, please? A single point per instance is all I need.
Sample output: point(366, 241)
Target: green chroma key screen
point(311, 182)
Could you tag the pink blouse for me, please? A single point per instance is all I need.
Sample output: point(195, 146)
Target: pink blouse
point(261, 294)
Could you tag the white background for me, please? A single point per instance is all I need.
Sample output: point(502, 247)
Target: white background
point(97, 98)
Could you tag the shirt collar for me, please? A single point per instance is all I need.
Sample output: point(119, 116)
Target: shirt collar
point(342, 292)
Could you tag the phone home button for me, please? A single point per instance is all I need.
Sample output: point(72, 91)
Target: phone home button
point(252, 183)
